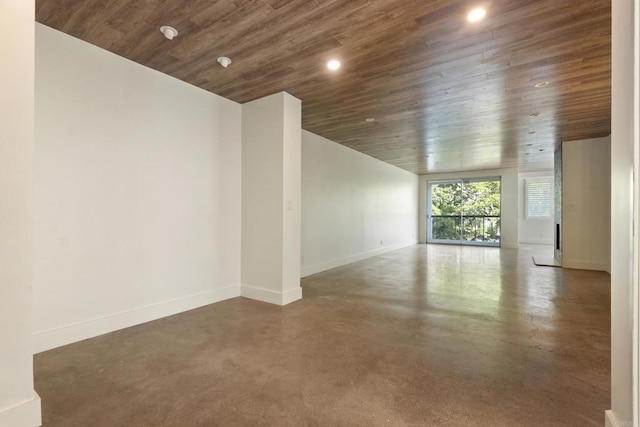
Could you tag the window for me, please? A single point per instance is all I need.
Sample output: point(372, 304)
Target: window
point(538, 198)
point(464, 211)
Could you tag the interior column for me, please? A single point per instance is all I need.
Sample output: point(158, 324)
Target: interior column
point(19, 404)
point(271, 175)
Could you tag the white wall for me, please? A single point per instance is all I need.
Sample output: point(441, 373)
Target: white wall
point(292, 194)
point(537, 231)
point(271, 199)
point(586, 204)
point(508, 201)
point(137, 194)
point(624, 148)
point(353, 206)
point(262, 192)
point(19, 404)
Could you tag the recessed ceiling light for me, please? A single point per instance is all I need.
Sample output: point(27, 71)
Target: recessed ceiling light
point(477, 14)
point(224, 61)
point(169, 32)
point(333, 65)
point(534, 114)
point(541, 84)
point(369, 119)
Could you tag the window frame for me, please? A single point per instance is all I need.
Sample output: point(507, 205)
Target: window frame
point(541, 179)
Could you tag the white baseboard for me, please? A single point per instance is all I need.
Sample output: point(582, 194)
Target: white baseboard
point(508, 245)
point(46, 340)
point(291, 295)
point(612, 420)
point(536, 242)
point(317, 268)
point(273, 297)
point(584, 265)
point(24, 414)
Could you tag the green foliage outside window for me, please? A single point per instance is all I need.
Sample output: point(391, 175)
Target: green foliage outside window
point(468, 209)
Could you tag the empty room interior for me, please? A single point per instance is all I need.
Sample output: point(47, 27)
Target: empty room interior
point(310, 213)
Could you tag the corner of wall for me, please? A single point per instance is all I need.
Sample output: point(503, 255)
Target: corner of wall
point(19, 403)
point(612, 420)
point(24, 414)
point(271, 297)
point(271, 206)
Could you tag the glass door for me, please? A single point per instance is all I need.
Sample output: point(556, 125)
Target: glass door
point(464, 212)
point(444, 223)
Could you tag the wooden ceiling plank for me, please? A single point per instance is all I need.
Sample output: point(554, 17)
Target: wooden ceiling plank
point(434, 82)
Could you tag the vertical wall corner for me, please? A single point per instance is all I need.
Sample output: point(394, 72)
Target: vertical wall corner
point(271, 199)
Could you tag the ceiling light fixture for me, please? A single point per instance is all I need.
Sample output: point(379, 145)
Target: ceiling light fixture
point(369, 120)
point(333, 65)
point(541, 84)
point(224, 61)
point(534, 114)
point(477, 14)
point(169, 32)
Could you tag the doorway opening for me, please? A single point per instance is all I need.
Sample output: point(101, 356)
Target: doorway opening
point(464, 211)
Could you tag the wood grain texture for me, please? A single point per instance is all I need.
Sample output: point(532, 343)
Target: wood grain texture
point(446, 95)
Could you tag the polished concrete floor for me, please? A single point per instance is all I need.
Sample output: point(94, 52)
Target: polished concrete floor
point(423, 336)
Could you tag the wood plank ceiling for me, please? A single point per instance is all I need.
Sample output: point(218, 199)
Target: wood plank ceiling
point(446, 95)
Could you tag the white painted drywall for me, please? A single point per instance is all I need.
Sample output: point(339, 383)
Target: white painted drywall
point(262, 194)
point(353, 206)
point(635, 284)
point(536, 231)
point(508, 201)
point(586, 204)
point(623, 152)
point(271, 199)
point(19, 404)
point(292, 194)
point(137, 193)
